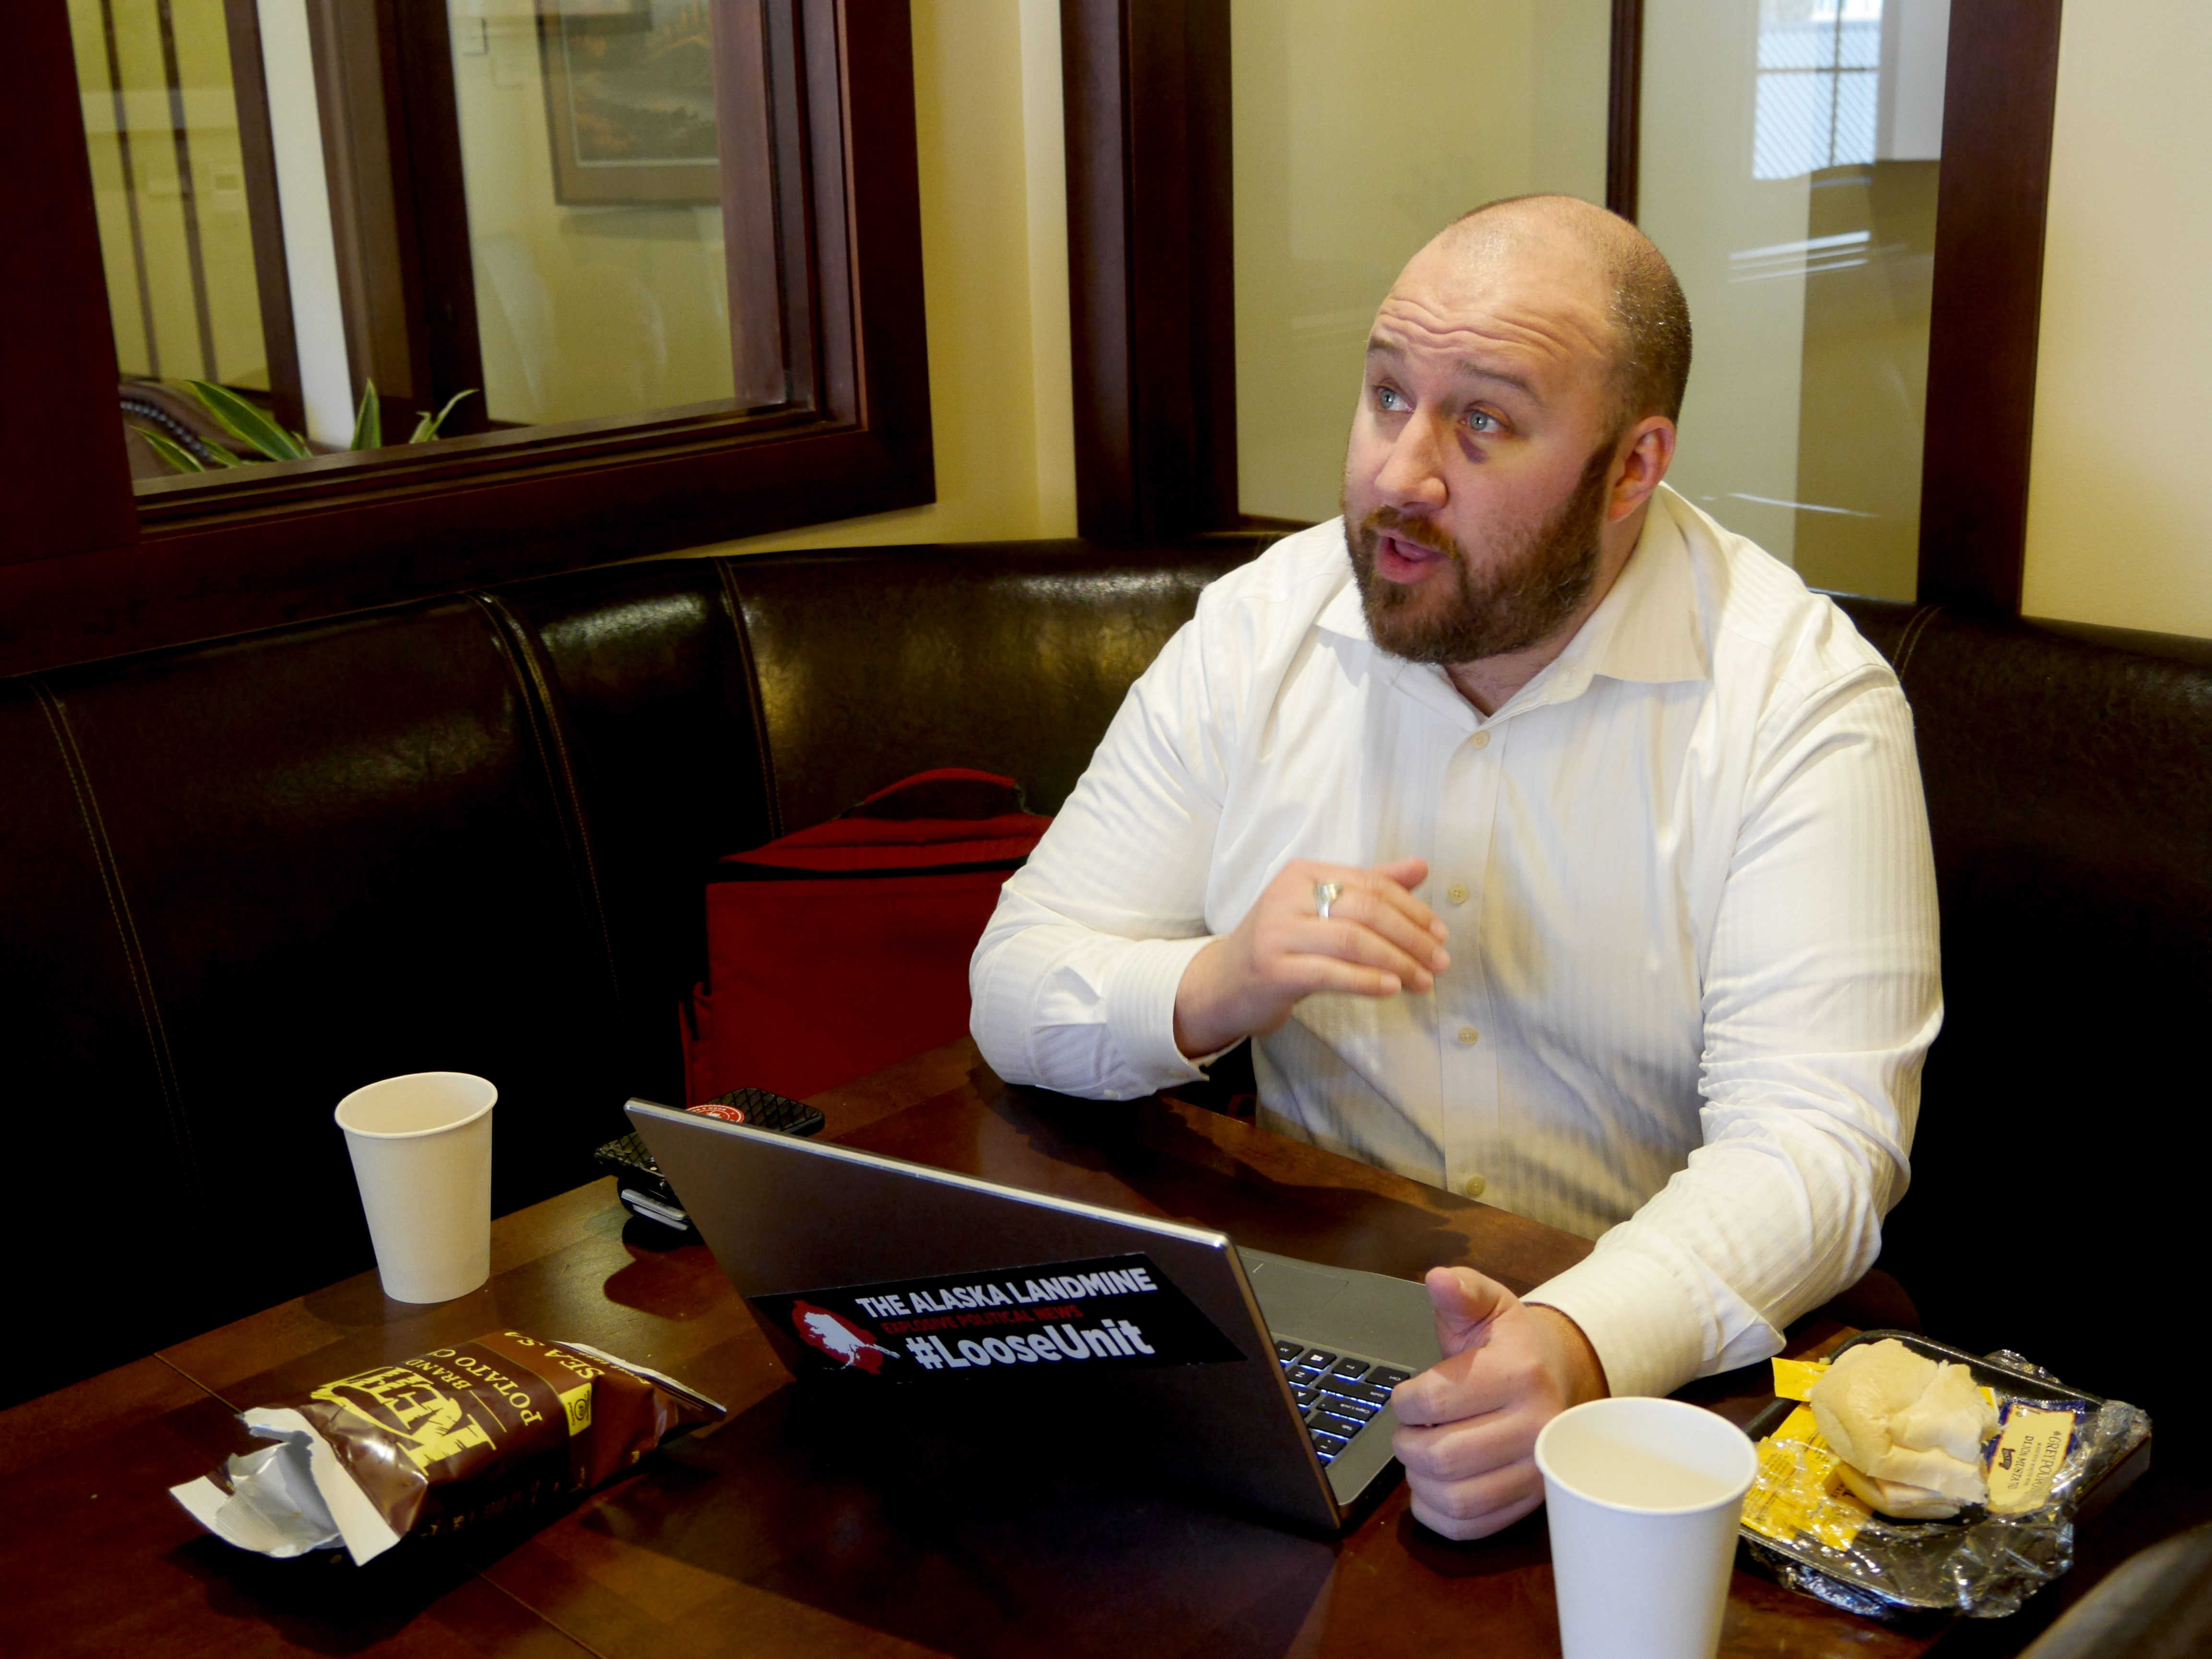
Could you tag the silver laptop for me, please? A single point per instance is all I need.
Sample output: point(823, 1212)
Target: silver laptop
point(1253, 1379)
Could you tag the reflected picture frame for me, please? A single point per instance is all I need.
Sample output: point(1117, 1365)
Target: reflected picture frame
point(629, 102)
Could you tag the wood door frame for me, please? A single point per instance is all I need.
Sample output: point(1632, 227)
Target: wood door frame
point(1151, 282)
point(1623, 115)
point(1151, 294)
point(1985, 320)
point(88, 569)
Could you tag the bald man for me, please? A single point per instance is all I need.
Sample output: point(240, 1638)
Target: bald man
point(1552, 843)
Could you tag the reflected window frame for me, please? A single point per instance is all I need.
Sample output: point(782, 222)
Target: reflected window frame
point(316, 537)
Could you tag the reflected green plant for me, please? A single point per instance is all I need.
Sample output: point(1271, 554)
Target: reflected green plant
point(270, 442)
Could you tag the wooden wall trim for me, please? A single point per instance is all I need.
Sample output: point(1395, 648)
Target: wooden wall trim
point(1624, 125)
point(1151, 264)
point(205, 580)
point(60, 428)
point(2000, 99)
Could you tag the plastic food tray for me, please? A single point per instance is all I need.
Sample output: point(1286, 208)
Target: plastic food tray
point(1978, 1564)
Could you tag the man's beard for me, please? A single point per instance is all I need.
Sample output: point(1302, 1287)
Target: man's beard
point(1534, 585)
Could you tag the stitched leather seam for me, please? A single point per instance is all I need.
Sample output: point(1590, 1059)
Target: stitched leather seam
point(756, 700)
point(1910, 641)
point(553, 755)
point(118, 910)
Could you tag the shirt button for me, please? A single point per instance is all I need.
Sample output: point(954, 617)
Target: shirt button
point(1469, 1035)
point(1457, 892)
point(1475, 1187)
point(1480, 740)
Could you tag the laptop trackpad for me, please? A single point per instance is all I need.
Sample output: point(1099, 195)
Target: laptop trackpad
point(1388, 1318)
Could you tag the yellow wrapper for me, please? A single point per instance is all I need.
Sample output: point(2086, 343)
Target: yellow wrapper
point(1794, 1378)
point(1796, 1491)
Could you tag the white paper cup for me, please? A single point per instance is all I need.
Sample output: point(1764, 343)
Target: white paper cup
point(1643, 1497)
point(422, 1156)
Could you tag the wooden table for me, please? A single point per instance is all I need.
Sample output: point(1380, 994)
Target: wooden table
point(753, 1538)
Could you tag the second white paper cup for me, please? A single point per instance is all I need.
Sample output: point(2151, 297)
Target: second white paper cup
point(422, 1156)
point(1643, 1497)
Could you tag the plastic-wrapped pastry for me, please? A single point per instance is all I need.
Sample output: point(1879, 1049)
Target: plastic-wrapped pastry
point(1910, 1428)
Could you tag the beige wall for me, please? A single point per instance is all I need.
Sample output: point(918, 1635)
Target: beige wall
point(994, 269)
point(2116, 532)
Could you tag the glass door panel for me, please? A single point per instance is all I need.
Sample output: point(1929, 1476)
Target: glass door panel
point(1360, 131)
point(1789, 151)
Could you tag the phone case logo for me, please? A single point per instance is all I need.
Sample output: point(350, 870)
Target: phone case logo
point(853, 1347)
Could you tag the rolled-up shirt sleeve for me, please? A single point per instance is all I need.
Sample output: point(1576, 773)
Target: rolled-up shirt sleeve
point(1821, 996)
point(1074, 979)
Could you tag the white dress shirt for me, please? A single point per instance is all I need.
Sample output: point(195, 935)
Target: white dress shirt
point(1686, 874)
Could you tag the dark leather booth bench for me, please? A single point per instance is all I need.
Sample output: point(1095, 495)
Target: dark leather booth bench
point(242, 877)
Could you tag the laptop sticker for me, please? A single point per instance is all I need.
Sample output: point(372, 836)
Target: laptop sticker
point(1110, 1313)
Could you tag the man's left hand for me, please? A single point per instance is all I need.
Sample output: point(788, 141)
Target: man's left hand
point(1468, 1426)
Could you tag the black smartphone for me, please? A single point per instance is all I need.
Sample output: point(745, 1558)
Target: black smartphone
point(759, 1108)
point(645, 1191)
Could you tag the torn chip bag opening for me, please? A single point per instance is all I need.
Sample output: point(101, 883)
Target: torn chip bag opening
point(477, 1431)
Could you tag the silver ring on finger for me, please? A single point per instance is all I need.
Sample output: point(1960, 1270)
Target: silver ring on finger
point(1325, 893)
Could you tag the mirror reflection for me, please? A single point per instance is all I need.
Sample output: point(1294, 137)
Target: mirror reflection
point(326, 228)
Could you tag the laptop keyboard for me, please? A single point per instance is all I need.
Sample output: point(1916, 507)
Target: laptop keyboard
point(1338, 1394)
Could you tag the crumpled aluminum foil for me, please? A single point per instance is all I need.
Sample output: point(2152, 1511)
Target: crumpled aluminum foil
point(1980, 1565)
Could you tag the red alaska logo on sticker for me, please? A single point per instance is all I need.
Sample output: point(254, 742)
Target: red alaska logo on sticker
point(852, 1345)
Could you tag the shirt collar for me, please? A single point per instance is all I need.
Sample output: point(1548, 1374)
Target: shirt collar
point(1344, 615)
point(1647, 629)
point(1648, 626)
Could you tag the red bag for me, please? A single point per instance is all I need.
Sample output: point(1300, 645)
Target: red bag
point(839, 950)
